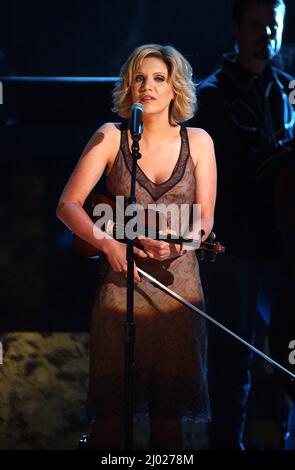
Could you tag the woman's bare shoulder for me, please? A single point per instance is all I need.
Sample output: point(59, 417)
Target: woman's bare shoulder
point(200, 142)
point(198, 134)
point(103, 144)
point(105, 138)
point(109, 129)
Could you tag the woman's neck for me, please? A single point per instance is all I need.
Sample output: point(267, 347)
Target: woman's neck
point(156, 129)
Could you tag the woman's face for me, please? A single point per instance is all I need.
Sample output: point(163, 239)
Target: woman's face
point(150, 86)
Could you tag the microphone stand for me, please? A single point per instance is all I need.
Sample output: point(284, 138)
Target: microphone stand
point(129, 323)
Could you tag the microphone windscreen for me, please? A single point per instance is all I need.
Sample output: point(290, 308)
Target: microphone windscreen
point(138, 106)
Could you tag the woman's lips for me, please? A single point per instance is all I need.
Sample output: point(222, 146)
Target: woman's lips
point(147, 99)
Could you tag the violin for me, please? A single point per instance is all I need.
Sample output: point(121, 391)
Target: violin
point(112, 227)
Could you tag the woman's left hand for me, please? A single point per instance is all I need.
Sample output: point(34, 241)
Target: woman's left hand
point(161, 250)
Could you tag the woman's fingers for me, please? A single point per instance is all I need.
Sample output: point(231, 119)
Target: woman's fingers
point(117, 259)
point(140, 252)
point(136, 275)
point(155, 249)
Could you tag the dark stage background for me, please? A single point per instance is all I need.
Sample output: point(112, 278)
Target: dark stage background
point(92, 38)
point(45, 125)
point(46, 288)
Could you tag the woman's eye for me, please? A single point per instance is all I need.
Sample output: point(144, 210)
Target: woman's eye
point(140, 78)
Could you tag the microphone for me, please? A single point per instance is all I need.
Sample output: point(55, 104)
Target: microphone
point(136, 127)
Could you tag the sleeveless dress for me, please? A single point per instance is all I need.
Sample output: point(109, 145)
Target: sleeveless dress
point(170, 345)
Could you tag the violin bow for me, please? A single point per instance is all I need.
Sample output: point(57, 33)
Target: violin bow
point(180, 299)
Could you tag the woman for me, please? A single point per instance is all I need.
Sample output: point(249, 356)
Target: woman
point(177, 166)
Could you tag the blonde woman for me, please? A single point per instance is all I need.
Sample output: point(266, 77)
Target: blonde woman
point(177, 166)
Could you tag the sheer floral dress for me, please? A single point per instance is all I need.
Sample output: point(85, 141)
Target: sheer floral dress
point(170, 345)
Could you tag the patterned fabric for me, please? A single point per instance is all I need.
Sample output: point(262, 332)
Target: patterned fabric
point(170, 376)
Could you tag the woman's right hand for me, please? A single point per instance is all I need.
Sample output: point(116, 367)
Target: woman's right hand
point(116, 256)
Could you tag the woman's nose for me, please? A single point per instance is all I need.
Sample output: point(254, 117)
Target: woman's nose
point(146, 84)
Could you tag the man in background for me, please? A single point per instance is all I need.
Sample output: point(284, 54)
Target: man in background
point(245, 108)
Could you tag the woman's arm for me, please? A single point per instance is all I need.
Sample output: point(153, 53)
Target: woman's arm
point(99, 152)
point(203, 155)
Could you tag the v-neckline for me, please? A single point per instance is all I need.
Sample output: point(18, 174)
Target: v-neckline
point(156, 190)
point(174, 168)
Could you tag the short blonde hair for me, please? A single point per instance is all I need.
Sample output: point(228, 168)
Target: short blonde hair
point(184, 105)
